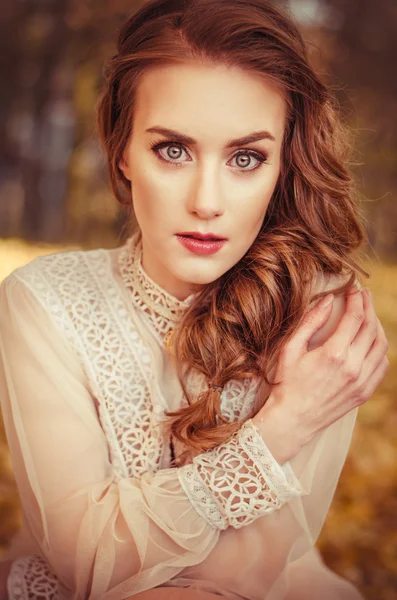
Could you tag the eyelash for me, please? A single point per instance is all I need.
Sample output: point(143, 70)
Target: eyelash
point(261, 158)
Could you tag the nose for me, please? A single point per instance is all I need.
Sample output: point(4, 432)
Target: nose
point(206, 199)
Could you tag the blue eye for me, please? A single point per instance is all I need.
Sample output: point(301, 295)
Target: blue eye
point(172, 160)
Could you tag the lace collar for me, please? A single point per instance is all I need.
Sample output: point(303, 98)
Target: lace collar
point(162, 309)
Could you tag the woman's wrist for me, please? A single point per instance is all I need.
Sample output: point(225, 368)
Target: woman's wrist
point(279, 431)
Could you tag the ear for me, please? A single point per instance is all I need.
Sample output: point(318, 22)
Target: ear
point(124, 166)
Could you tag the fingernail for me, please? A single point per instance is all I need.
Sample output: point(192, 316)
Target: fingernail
point(327, 300)
point(358, 285)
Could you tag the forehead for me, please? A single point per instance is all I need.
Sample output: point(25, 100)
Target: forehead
point(209, 98)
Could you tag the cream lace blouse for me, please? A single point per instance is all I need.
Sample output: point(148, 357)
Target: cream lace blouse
point(84, 381)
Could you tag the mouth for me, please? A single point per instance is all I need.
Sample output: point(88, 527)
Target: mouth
point(198, 243)
point(208, 237)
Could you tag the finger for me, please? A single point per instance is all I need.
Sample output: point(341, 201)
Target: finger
point(339, 342)
point(368, 331)
point(365, 386)
point(377, 351)
point(374, 380)
point(312, 320)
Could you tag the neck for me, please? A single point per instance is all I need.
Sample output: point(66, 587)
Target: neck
point(179, 290)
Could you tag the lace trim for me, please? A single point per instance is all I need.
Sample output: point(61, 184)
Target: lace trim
point(238, 481)
point(30, 578)
point(162, 309)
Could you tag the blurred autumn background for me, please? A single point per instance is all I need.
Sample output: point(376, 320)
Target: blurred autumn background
point(54, 195)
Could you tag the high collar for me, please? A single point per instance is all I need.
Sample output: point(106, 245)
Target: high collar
point(162, 309)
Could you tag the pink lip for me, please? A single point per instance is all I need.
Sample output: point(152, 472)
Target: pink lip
point(201, 246)
point(201, 236)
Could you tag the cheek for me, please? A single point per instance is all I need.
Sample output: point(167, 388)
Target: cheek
point(252, 198)
point(252, 211)
point(146, 194)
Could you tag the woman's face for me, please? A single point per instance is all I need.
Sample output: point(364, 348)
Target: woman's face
point(207, 183)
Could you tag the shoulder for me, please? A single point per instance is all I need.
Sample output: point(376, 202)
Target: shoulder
point(329, 282)
point(67, 289)
point(61, 273)
point(54, 261)
point(62, 283)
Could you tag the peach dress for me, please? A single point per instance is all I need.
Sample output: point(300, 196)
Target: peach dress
point(84, 381)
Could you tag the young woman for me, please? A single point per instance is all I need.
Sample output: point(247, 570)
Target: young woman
point(177, 411)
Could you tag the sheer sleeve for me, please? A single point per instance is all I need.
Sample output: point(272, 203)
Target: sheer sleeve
point(101, 538)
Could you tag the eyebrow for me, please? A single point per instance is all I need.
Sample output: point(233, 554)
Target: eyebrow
point(185, 139)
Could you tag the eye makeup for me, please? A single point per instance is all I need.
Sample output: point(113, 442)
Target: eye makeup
point(260, 157)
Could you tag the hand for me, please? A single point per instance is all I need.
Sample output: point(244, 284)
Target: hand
point(320, 386)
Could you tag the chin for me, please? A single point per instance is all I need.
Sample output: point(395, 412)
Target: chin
point(198, 278)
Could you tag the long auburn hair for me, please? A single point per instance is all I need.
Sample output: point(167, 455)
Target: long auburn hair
point(238, 324)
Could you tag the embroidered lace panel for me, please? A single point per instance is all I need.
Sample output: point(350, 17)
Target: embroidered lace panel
point(78, 290)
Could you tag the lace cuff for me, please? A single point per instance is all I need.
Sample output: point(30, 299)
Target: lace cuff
point(31, 578)
point(238, 481)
